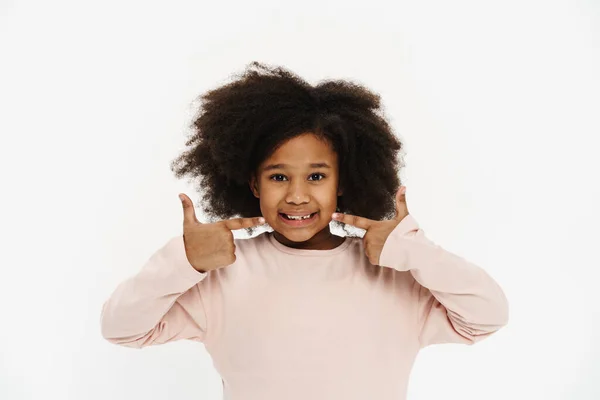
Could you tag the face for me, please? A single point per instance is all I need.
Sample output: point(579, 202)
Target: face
point(300, 178)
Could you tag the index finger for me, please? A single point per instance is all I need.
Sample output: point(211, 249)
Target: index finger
point(242, 223)
point(354, 220)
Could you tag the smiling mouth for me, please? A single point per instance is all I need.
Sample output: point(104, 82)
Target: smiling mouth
point(298, 219)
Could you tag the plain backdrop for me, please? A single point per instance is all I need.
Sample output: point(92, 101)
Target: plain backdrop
point(497, 103)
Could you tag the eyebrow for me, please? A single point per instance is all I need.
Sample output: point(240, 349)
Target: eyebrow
point(282, 166)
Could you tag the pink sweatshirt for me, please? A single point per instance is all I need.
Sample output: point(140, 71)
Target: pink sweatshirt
point(284, 323)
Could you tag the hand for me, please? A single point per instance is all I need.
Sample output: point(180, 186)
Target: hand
point(377, 231)
point(210, 246)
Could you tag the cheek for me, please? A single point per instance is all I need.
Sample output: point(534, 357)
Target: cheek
point(268, 203)
point(329, 199)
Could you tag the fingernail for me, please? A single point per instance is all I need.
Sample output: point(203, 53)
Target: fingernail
point(261, 220)
point(181, 197)
point(335, 215)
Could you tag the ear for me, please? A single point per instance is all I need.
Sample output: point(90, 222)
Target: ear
point(253, 186)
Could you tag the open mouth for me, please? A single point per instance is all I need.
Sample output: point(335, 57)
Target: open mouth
point(298, 221)
point(297, 218)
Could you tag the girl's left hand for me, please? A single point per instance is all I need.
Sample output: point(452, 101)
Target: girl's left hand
point(377, 231)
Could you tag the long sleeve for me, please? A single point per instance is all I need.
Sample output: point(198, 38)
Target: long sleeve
point(458, 302)
point(159, 304)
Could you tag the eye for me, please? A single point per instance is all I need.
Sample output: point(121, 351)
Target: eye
point(272, 176)
point(318, 174)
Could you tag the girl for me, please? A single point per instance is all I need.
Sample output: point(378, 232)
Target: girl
point(298, 312)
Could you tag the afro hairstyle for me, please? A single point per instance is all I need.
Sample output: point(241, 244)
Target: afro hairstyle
point(241, 123)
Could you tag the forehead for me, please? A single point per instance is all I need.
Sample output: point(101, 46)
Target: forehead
point(303, 150)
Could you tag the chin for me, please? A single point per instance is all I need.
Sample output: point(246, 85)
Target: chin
point(298, 237)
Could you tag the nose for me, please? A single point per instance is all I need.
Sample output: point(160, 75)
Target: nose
point(297, 194)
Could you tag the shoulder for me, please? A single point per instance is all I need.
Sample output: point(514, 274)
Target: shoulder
point(253, 249)
point(251, 244)
point(248, 253)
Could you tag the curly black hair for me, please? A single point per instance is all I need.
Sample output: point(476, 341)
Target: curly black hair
point(241, 123)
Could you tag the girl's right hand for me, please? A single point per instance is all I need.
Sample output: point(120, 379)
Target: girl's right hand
point(210, 246)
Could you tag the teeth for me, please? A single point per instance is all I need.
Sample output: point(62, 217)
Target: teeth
point(298, 218)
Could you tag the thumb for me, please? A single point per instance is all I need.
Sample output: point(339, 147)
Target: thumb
point(401, 207)
point(189, 215)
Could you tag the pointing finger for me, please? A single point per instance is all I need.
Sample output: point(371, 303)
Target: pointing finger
point(243, 223)
point(354, 220)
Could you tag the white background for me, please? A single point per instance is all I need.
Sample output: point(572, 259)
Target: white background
point(498, 104)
